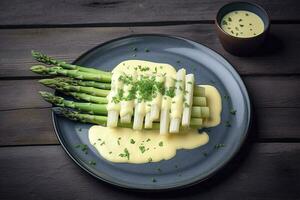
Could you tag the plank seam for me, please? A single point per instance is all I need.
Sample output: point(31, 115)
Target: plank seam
point(128, 24)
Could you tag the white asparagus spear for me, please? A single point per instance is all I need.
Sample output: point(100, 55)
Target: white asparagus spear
point(188, 99)
point(139, 110)
point(156, 101)
point(165, 107)
point(127, 106)
point(177, 102)
point(139, 114)
point(113, 105)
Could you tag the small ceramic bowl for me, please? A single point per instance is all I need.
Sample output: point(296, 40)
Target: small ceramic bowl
point(236, 45)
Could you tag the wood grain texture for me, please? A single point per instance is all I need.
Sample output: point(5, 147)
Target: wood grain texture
point(21, 94)
point(16, 12)
point(16, 128)
point(278, 91)
point(26, 127)
point(279, 55)
point(44, 172)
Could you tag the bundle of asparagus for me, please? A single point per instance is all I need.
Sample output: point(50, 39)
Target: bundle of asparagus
point(92, 86)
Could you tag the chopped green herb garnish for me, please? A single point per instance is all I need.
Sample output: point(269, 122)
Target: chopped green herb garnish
point(148, 140)
point(132, 141)
point(186, 105)
point(161, 143)
point(233, 111)
point(236, 28)
point(241, 25)
point(229, 19)
point(217, 146)
point(92, 162)
point(240, 20)
point(227, 124)
point(224, 22)
point(125, 154)
point(118, 142)
point(99, 139)
point(246, 14)
point(150, 159)
point(190, 82)
point(94, 143)
point(110, 152)
point(102, 143)
point(142, 149)
point(83, 147)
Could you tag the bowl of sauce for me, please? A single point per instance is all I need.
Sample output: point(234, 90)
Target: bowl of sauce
point(242, 27)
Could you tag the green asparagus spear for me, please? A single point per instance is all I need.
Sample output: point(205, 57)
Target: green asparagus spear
point(87, 97)
point(76, 116)
point(98, 109)
point(51, 61)
point(62, 86)
point(71, 81)
point(41, 69)
point(101, 120)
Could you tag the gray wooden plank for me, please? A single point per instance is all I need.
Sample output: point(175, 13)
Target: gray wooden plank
point(26, 127)
point(16, 12)
point(34, 126)
point(260, 171)
point(280, 55)
point(18, 94)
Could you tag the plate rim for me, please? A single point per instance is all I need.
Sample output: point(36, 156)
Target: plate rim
point(236, 76)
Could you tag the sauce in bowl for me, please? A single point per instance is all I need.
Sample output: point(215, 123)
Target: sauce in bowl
point(242, 24)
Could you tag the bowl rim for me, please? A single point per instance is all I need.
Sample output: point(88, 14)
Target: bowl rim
point(243, 2)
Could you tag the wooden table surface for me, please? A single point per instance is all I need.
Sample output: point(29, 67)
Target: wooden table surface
point(34, 166)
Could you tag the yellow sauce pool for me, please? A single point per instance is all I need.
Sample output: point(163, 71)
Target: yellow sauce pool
point(125, 145)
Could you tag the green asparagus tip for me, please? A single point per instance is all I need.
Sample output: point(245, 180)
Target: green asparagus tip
point(35, 53)
point(51, 98)
point(39, 69)
point(57, 110)
point(41, 57)
point(47, 81)
point(67, 112)
point(46, 95)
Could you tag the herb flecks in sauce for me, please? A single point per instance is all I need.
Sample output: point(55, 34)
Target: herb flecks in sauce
point(125, 154)
point(159, 147)
point(244, 22)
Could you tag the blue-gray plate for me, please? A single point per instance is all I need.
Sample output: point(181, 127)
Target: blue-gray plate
point(188, 166)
